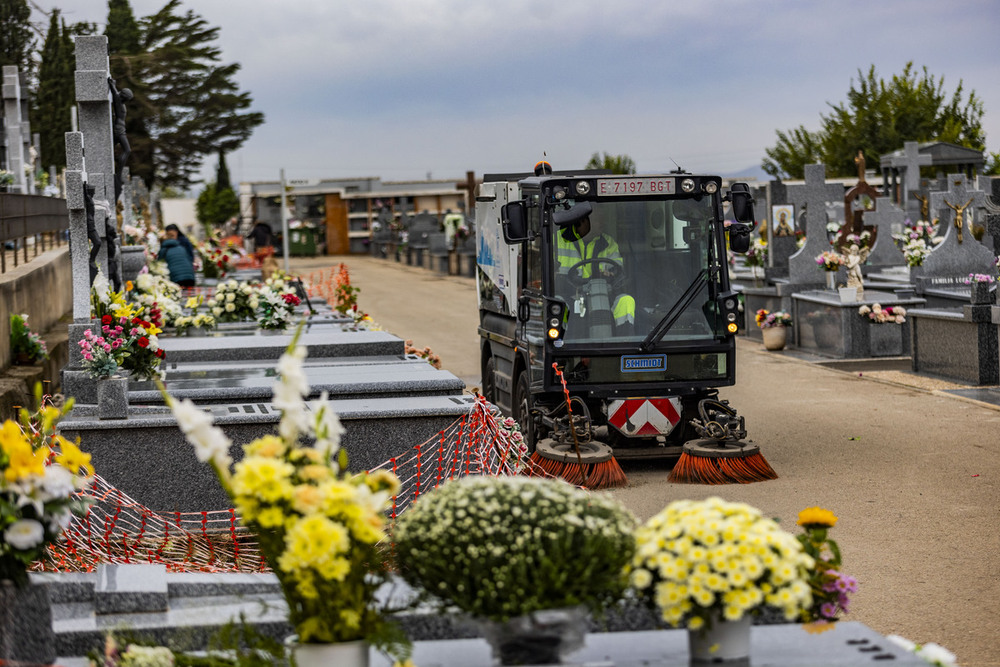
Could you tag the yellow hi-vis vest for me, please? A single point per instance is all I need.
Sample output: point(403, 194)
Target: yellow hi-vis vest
point(570, 253)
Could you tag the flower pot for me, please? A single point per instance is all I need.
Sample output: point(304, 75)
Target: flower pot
point(541, 638)
point(848, 294)
point(831, 280)
point(341, 654)
point(720, 642)
point(112, 398)
point(774, 337)
point(26, 635)
point(196, 332)
point(980, 293)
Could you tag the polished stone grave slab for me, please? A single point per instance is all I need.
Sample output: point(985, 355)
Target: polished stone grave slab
point(322, 341)
point(147, 457)
point(345, 377)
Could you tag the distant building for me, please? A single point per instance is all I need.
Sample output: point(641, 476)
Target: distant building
point(344, 210)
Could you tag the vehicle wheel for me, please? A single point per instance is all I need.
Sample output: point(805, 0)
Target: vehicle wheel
point(522, 411)
point(489, 381)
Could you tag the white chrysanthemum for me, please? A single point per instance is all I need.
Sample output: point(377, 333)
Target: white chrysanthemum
point(24, 534)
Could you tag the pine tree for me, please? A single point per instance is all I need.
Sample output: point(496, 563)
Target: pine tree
point(877, 118)
point(189, 105)
point(127, 58)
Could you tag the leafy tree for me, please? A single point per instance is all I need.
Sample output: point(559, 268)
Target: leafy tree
point(992, 165)
point(877, 118)
point(618, 164)
point(17, 43)
point(55, 95)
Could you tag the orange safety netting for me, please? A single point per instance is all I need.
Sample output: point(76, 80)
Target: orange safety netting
point(118, 529)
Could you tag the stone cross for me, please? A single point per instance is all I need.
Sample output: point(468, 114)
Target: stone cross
point(812, 196)
point(79, 242)
point(93, 98)
point(17, 132)
point(909, 163)
point(884, 218)
point(953, 259)
point(955, 205)
point(128, 218)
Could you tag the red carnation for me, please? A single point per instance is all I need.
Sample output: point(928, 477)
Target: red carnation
point(160, 353)
point(136, 320)
point(143, 341)
point(107, 319)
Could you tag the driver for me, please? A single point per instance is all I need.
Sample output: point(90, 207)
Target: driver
point(575, 244)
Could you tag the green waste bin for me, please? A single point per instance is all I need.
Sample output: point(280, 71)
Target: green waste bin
point(302, 241)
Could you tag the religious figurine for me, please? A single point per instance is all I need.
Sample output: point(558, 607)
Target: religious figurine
point(959, 216)
point(854, 257)
point(95, 240)
point(860, 161)
point(118, 100)
point(924, 206)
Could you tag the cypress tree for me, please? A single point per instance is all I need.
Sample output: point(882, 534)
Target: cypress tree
point(51, 111)
point(16, 40)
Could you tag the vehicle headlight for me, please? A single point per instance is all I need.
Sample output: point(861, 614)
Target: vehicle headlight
point(711, 187)
point(582, 187)
point(687, 185)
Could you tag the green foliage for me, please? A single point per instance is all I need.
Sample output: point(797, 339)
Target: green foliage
point(992, 165)
point(618, 164)
point(17, 43)
point(24, 342)
point(878, 117)
point(55, 96)
point(216, 205)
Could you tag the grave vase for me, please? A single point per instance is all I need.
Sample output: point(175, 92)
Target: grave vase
point(26, 635)
point(831, 280)
point(341, 654)
point(541, 638)
point(720, 642)
point(774, 337)
point(980, 293)
point(112, 398)
point(133, 259)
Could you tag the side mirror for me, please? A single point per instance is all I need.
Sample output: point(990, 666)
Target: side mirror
point(739, 238)
point(742, 201)
point(514, 222)
point(575, 213)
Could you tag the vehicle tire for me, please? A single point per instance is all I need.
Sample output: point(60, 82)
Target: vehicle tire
point(522, 411)
point(489, 381)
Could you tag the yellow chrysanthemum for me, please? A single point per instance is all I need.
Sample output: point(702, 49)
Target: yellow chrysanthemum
point(268, 445)
point(315, 542)
point(816, 517)
point(270, 517)
point(306, 499)
point(696, 623)
point(266, 478)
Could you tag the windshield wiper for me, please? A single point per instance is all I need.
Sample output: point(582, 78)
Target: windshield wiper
point(661, 329)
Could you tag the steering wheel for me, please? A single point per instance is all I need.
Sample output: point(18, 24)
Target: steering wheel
point(617, 270)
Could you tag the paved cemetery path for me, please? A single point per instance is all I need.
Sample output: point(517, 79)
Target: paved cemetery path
point(913, 475)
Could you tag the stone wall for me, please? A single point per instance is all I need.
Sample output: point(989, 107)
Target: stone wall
point(42, 289)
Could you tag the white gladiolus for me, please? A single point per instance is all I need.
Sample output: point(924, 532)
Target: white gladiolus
point(210, 443)
point(24, 534)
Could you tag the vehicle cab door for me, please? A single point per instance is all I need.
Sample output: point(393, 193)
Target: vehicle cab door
point(531, 302)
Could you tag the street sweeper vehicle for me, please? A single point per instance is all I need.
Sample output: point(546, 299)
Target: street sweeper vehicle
point(607, 319)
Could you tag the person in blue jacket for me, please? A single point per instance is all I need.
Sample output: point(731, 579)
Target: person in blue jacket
point(179, 258)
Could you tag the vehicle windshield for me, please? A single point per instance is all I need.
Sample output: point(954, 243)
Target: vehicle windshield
point(623, 268)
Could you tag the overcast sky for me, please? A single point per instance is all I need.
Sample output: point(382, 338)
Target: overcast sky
point(403, 89)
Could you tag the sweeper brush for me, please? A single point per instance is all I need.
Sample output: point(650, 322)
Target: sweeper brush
point(722, 456)
point(572, 454)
